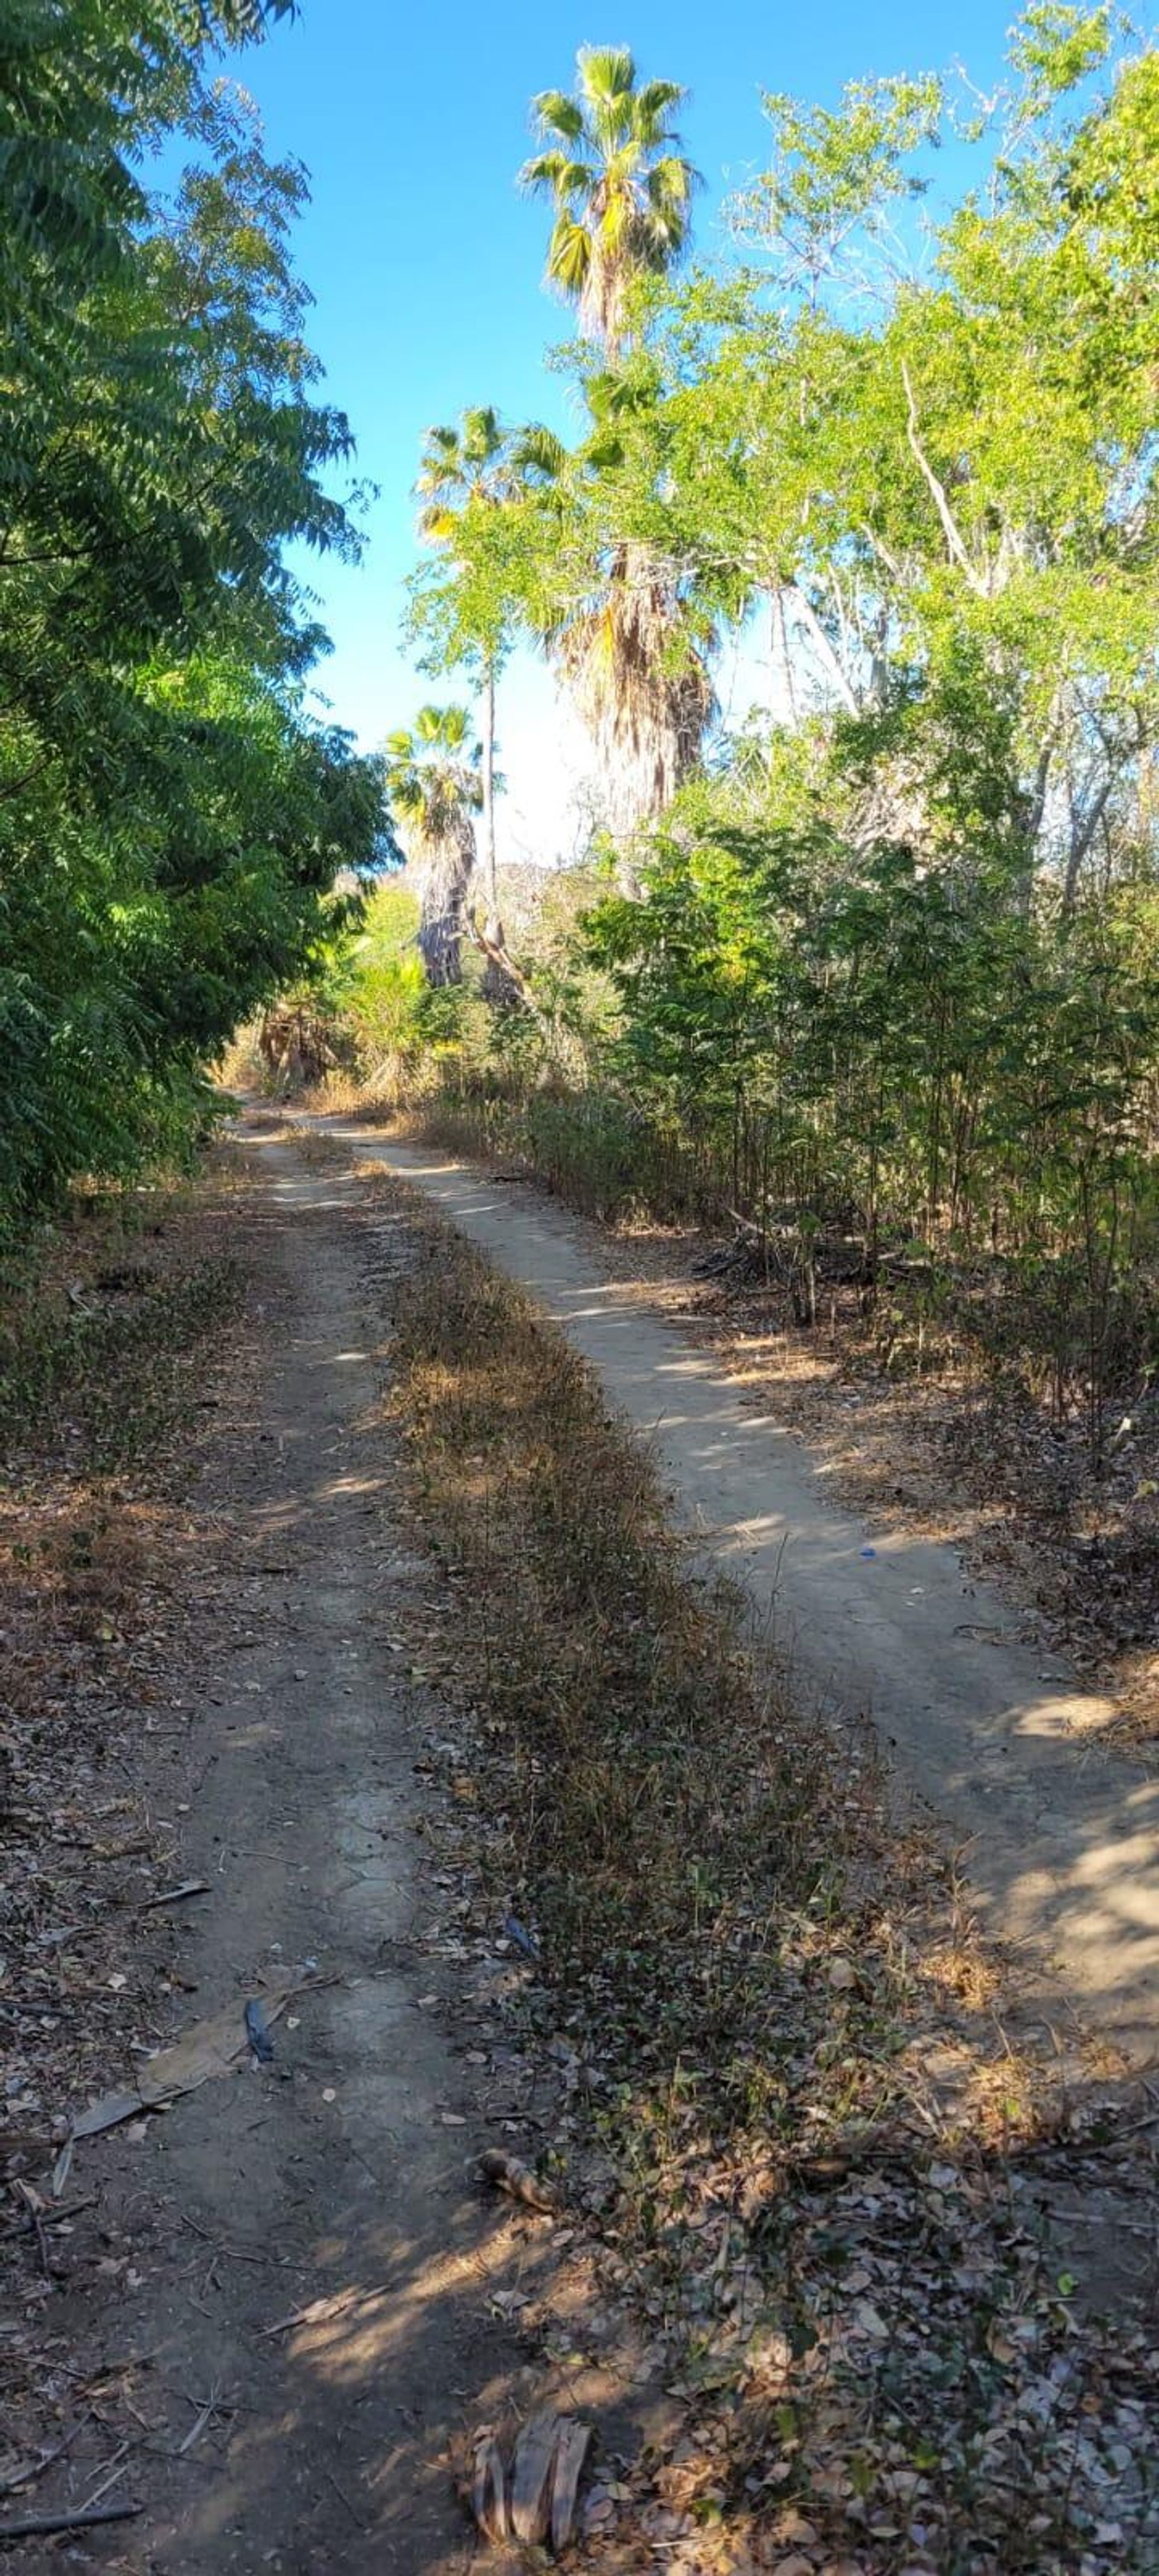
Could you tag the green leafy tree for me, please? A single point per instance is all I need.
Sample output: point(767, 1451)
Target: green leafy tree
point(823, 207)
point(171, 819)
point(467, 472)
point(896, 968)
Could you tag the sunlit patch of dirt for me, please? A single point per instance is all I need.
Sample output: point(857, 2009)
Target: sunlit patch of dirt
point(953, 1451)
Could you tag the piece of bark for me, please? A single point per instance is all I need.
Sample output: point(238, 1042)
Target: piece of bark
point(531, 2478)
point(572, 2444)
point(209, 2048)
point(489, 2489)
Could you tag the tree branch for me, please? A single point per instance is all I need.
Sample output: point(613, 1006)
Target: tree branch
point(937, 491)
point(501, 957)
point(1081, 836)
point(829, 658)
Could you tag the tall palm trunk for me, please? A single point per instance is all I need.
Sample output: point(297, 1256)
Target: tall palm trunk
point(641, 688)
point(443, 866)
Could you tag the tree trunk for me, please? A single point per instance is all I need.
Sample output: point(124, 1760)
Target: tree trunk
point(646, 704)
point(499, 987)
point(444, 868)
point(489, 790)
point(1080, 834)
point(783, 656)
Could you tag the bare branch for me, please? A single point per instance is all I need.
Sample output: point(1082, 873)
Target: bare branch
point(937, 491)
point(824, 649)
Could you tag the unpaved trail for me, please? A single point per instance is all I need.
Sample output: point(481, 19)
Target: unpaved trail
point(1060, 1837)
point(333, 2173)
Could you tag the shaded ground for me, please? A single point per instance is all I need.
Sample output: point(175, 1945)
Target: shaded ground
point(938, 1444)
point(927, 1411)
point(952, 1450)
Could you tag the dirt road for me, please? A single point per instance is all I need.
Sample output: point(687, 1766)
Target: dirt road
point(1061, 1839)
point(303, 2311)
point(340, 2172)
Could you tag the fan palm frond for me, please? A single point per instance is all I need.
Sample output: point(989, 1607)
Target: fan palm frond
point(539, 453)
point(555, 113)
point(569, 255)
point(619, 183)
point(560, 175)
point(654, 104)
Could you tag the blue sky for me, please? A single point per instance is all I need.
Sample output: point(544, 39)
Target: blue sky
point(426, 263)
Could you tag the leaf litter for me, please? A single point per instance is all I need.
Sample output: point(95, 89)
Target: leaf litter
point(105, 1574)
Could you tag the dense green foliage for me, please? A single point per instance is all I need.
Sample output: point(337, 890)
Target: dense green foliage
point(895, 966)
point(170, 819)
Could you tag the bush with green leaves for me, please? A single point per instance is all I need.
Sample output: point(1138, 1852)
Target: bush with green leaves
point(171, 818)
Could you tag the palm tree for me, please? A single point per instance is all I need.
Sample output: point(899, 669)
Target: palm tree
point(471, 464)
point(622, 191)
point(432, 780)
point(620, 184)
point(626, 634)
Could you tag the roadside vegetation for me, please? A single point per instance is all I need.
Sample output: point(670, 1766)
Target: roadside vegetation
point(119, 1335)
point(875, 968)
point(172, 817)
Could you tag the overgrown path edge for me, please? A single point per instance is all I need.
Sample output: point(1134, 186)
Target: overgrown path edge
point(1059, 1835)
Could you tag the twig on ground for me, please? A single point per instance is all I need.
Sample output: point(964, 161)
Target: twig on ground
point(36, 2468)
point(78, 2520)
point(343, 2498)
point(114, 2470)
